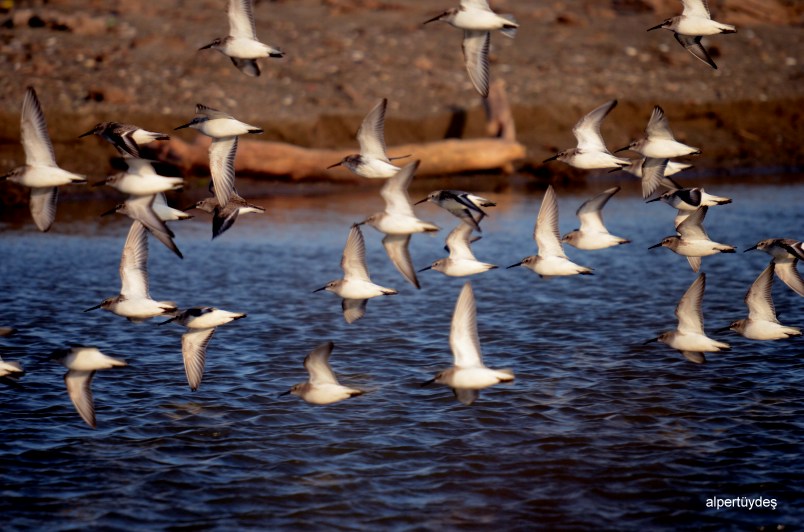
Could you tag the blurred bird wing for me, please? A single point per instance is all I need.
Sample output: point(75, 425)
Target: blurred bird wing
point(241, 19)
point(653, 171)
point(134, 263)
point(688, 311)
point(317, 365)
point(371, 135)
point(194, 352)
point(692, 228)
point(589, 213)
point(693, 45)
point(395, 191)
point(546, 230)
point(249, 67)
point(476, 57)
point(759, 297)
point(397, 248)
point(141, 208)
point(224, 218)
point(463, 338)
point(353, 261)
point(202, 111)
point(695, 8)
point(587, 130)
point(353, 309)
point(465, 395)
point(33, 132)
point(79, 388)
point(222, 153)
point(458, 242)
point(787, 272)
point(658, 125)
point(42, 204)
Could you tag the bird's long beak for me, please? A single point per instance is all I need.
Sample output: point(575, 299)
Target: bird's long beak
point(623, 149)
point(284, 393)
point(90, 132)
point(111, 211)
point(99, 305)
point(657, 27)
point(399, 157)
point(428, 383)
point(656, 246)
point(182, 126)
point(425, 269)
point(553, 158)
point(434, 18)
point(174, 318)
point(646, 342)
point(99, 183)
point(319, 289)
point(752, 248)
point(207, 46)
point(514, 265)
point(334, 165)
point(654, 199)
point(421, 201)
point(723, 329)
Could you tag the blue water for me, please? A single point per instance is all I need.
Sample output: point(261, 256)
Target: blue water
point(597, 430)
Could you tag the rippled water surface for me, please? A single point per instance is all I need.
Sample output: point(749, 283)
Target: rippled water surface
point(597, 430)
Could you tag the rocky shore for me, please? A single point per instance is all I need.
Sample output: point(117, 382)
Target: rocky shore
point(138, 62)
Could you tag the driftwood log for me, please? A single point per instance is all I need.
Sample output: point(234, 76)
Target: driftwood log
point(287, 161)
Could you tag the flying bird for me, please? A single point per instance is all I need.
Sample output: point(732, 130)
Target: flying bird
point(134, 301)
point(141, 179)
point(689, 336)
point(40, 173)
point(242, 45)
point(692, 240)
point(761, 323)
point(592, 233)
point(126, 138)
point(694, 23)
point(591, 152)
point(785, 253)
point(464, 205)
point(688, 200)
point(461, 261)
point(224, 129)
point(201, 323)
point(477, 21)
point(356, 287)
point(322, 388)
point(81, 364)
point(398, 221)
point(658, 141)
point(372, 161)
point(143, 209)
point(550, 260)
point(468, 375)
point(224, 217)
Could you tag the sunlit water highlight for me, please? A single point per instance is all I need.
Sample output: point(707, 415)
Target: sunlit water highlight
point(598, 430)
